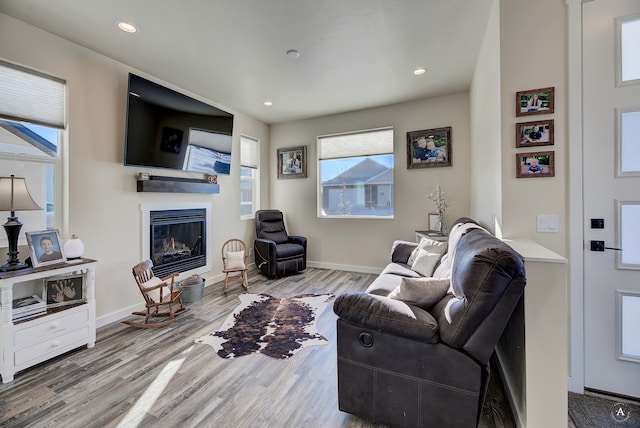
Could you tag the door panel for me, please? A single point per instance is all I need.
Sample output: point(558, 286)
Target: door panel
point(611, 290)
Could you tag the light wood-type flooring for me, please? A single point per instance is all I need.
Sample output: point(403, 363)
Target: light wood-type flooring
point(161, 378)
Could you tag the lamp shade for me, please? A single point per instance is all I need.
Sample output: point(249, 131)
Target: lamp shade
point(14, 195)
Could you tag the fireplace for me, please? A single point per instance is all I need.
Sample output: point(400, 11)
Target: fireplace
point(177, 240)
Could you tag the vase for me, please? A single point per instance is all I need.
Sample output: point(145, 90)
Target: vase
point(73, 248)
point(443, 223)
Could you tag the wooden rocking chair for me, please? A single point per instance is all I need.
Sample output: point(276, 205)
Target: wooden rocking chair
point(160, 298)
point(234, 259)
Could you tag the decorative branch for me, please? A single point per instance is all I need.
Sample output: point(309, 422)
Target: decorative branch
point(441, 205)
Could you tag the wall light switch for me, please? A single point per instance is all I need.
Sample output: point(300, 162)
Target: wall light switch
point(547, 223)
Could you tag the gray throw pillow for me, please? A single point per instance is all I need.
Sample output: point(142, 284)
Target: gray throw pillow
point(429, 245)
point(425, 262)
point(421, 292)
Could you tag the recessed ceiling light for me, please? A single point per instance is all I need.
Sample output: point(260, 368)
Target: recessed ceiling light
point(293, 54)
point(419, 71)
point(127, 27)
point(268, 103)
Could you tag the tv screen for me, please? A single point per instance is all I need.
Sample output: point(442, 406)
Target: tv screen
point(167, 129)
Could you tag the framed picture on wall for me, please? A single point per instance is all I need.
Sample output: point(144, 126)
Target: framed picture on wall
point(535, 164)
point(292, 162)
point(534, 101)
point(530, 134)
point(429, 148)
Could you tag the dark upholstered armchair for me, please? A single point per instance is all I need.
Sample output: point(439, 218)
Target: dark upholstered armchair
point(276, 253)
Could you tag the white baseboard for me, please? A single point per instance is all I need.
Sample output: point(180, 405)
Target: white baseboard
point(348, 268)
point(124, 313)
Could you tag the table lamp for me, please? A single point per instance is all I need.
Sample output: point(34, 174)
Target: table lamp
point(14, 196)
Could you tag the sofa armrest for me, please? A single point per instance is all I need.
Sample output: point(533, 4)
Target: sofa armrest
point(401, 250)
point(265, 251)
point(300, 240)
point(386, 315)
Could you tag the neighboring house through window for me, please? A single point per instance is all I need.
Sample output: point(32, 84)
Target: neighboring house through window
point(32, 120)
point(249, 183)
point(356, 174)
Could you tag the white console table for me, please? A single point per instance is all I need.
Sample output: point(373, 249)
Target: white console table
point(26, 343)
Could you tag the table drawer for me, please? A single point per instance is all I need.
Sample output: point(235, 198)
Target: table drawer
point(49, 326)
point(52, 346)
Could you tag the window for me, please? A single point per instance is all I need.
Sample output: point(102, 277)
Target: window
point(628, 35)
point(356, 174)
point(248, 177)
point(32, 119)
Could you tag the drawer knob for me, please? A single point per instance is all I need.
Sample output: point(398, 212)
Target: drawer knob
point(54, 326)
point(55, 344)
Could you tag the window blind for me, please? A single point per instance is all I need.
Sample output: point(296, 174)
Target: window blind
point(248, 152)
point(31, 96)
point(361, 143)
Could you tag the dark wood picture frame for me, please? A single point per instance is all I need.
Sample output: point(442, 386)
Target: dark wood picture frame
point(64, 290)
point(544, 165)
point(292, 162)
point(538, 133)
point(429, 148)
point(535, 101)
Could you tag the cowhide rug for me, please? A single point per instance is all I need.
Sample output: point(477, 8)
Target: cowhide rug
point(275, 327)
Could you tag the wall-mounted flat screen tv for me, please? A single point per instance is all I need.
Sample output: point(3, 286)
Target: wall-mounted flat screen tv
point(167, 129)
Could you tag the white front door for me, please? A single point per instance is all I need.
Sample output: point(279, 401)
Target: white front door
point(611, 170)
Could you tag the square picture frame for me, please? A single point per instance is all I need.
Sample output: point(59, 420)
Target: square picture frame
point(434, 223)
point(45, 248)
point(535, 165)
point(538, 133)
point(292, 162)
point(64, 291)
point(535, 101)
point(429, 148)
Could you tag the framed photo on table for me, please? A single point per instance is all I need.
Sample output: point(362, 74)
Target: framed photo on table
point(434, 223)
point(534, 101)
point(45, 247)
point(429, 148)
point(292, 162)
point(63, 291)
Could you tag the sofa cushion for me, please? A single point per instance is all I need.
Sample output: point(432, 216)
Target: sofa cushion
point(444, 268)
point(400, 269)
point(421, 292)
point(385, 283)
point(386, 315)
point(425, 262)
point(429, 245)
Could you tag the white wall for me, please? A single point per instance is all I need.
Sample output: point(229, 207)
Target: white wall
point(366, 243)
point(486, 138)
point(103, 205)
point(530, 60)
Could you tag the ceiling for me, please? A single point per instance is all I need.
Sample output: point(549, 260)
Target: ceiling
point(355, 54)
